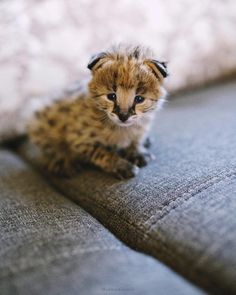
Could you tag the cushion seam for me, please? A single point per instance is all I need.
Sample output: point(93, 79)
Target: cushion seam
point(189, 195)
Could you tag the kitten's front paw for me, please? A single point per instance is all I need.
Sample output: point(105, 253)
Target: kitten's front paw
point(126, 170)
point(142, 159)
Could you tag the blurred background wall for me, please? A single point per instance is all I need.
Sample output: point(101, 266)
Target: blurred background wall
point(47, 44)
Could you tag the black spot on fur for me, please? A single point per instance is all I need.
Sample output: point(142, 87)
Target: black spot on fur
point(51, 122)
point(85, 124)
point(92, 134)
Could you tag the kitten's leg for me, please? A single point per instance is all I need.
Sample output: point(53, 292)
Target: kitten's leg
point(60, 165)
point(137, 155)
point(107, 160)
point(59, 161)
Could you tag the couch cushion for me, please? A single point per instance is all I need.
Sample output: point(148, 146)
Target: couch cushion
point(49, 245)
point(181, 208)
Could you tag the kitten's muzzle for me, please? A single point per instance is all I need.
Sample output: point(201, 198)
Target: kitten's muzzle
point(123, 116)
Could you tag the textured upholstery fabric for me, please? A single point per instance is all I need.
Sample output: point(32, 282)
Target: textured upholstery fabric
point(49, 245)
point(181, 208)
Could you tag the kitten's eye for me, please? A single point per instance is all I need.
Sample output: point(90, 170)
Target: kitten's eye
point(111, 96)
point(139, 99)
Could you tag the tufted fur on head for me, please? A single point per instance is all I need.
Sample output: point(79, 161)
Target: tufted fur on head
point(134, 78)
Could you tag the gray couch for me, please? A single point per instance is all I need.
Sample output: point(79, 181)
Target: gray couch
point(72, 236)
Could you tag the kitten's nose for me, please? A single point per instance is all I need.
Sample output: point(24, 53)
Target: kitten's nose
point(123, 116)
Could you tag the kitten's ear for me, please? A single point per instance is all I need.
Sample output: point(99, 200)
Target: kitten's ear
point(159, 68)
point(96, 61)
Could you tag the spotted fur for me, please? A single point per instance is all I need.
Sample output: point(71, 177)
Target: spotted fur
point(87, 127)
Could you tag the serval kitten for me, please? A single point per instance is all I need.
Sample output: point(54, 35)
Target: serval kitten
point(107, 124)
